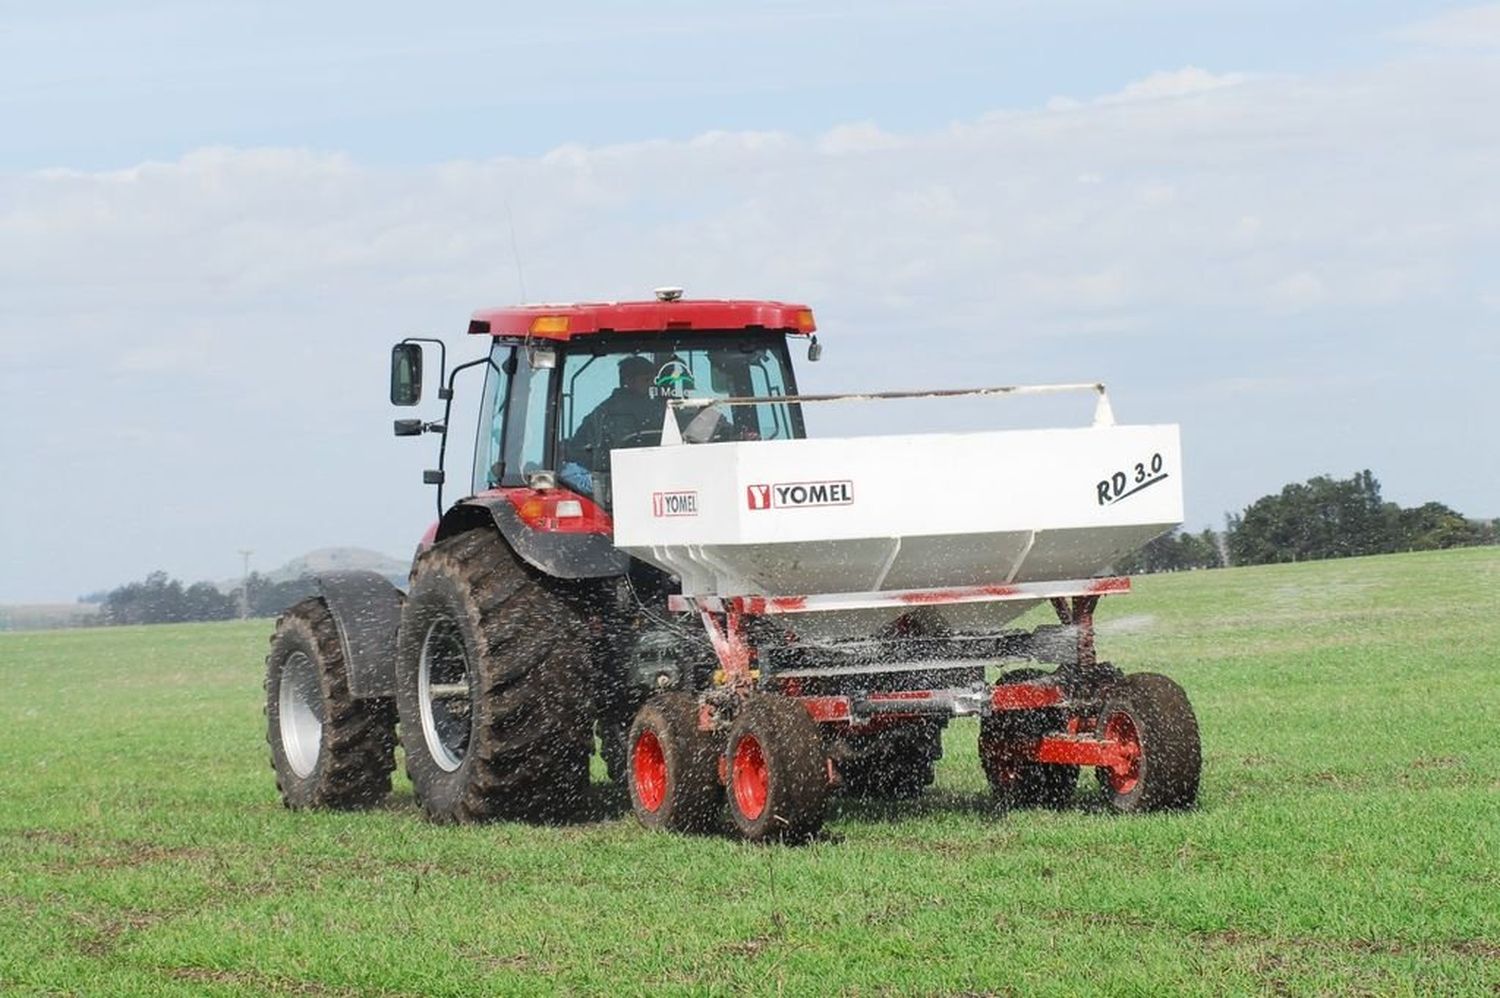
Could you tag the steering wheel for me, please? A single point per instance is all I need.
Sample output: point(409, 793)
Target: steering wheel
point(639, 438)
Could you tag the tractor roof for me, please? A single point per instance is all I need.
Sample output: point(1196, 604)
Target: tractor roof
point(563, 322)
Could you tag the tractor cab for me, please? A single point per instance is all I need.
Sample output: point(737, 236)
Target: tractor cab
point(566, 385)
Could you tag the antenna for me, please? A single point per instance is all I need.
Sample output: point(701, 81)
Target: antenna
point(245, 584)
point(515, 251)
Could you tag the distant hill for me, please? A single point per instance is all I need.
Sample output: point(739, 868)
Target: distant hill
point(329, 560)
point(337, 560)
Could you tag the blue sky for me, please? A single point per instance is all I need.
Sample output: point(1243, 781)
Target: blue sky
point(101, 85)
point(1274, 223)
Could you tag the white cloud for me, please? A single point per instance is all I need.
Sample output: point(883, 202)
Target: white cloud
point(863, 137)
point(1129, 201)
point(1162, 85)
point(1184, 82)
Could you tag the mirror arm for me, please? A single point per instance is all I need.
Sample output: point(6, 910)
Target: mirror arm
point(443, 393)
point(446, 394)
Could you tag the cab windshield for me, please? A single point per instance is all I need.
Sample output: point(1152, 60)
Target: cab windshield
point(614, 392)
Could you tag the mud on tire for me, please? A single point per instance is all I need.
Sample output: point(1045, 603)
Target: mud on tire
point(1152, 710)
point(493, 686)
point(328, 749)
point(777, 769)
point(673, 767)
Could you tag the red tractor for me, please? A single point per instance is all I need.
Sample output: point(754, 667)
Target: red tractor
point(653, 556)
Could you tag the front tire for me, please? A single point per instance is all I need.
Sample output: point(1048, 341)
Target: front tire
point(328, 749)
point(673, 767)
point(1150, 716)
point(777, 771)
point(493, 687)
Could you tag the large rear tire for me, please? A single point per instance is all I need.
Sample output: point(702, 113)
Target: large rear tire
point(777, 770)
point(328, 749)
point(493, 687)
point(1150, 715)
point(673, 767)
point(1015, 780)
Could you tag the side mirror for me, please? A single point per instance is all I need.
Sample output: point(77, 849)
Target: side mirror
point(406, 374)
point(814, 349)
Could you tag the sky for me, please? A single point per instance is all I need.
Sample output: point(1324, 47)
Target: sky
point(1273, 223)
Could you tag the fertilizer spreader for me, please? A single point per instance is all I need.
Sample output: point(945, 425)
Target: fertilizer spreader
point(748, 620)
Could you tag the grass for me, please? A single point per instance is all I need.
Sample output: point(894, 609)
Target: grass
point(1348, 838)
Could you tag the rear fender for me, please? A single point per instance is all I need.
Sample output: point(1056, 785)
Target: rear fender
point(366, 609)
point(556, 554)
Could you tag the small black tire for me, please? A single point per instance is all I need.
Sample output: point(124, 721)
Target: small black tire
point(1017, 781)
point(673, 767)
point(1152, 711)
point(502, 724)
point(899, 763)
point(777, 771)
point(328, 749)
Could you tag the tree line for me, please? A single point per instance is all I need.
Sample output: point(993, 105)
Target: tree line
point(1340, 518)
point(159, 599)
point(1320, 518)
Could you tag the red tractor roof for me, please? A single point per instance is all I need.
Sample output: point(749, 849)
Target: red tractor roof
point(563, 322)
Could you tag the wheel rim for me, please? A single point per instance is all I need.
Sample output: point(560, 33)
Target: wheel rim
point(300, 709)
point(648, 767)
point(750, 777)
point(1121, 732)
point(444, 694)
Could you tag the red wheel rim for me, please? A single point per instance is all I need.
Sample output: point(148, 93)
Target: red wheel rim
point(1120, 732)
point(648, 771)
point(750, 778)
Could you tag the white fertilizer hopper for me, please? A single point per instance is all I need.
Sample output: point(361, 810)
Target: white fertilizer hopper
point(898, 514)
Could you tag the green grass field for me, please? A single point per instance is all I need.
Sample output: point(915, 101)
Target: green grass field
point(1348, 839)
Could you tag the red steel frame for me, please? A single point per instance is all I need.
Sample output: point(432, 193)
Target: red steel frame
point(1073, 601)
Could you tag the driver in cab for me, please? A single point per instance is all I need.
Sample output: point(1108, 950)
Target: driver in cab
point(629, 417)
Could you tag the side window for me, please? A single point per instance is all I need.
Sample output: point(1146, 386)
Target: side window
point(530, 413)
point(770, 421)
point(588, 379)
point(533, 456)
point(490, 436)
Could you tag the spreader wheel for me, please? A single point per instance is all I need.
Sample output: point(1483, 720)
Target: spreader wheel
point(673, 767)
point(1148, 717)
point(777, 771)
point(1015, 779)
